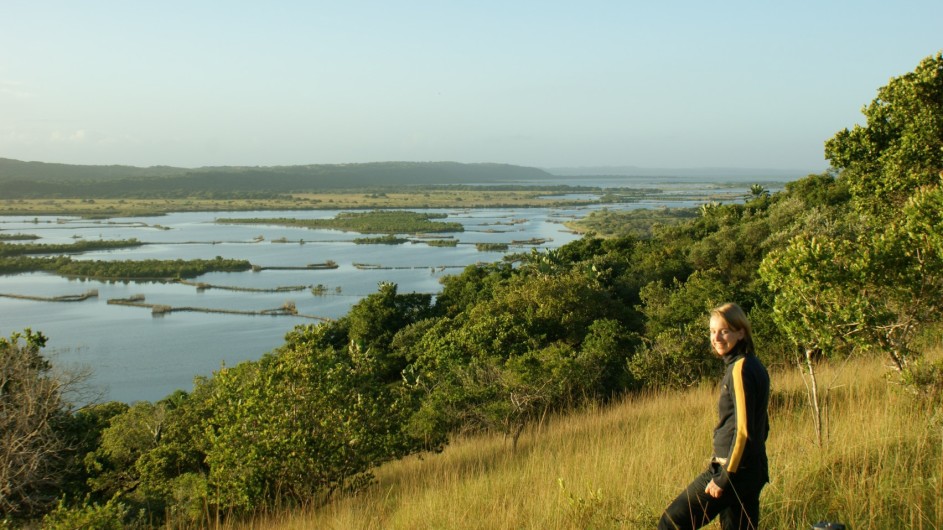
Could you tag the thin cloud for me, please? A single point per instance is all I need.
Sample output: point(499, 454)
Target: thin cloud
point(15, 90)
point(76, 136)
point(86, 137)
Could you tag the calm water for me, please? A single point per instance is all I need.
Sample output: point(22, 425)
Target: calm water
point(136, 356)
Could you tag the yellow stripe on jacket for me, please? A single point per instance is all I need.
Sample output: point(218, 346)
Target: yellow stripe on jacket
point(740, 401)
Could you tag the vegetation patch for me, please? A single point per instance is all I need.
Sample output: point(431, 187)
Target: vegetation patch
point(638, 223)
point(203, 286)
point(491, 247)
point(152, 269)
point(373, 222)
point(441, 242)
point(531, 241)
point(626, 195)
point(323, 290)
point(286, 309)
point(388, 239)
point(19, 249)
point(18, 237)
point(327, 265)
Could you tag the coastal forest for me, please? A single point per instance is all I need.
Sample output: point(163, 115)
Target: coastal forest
point(847, 264)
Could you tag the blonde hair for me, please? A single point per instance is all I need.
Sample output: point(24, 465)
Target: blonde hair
point(736, 318)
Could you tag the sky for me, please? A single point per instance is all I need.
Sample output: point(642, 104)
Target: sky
point(681, 84)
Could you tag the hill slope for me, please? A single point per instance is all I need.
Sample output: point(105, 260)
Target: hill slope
point(618, 467)
point(37, 179)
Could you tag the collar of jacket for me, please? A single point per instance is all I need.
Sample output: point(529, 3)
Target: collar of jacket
point(738, 352)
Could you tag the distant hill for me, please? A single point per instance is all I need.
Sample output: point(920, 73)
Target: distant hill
point(733, 173)
point(20, 179)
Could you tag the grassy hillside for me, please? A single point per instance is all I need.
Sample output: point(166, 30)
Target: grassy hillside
point(617, 467)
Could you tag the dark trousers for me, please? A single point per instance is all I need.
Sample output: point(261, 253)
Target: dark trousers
point(738, 507)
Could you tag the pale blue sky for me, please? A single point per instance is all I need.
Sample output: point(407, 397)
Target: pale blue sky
point(539, 83)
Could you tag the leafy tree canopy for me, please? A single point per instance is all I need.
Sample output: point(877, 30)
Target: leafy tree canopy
point(900, 148)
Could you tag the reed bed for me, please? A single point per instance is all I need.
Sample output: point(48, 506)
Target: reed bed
point(618, 466)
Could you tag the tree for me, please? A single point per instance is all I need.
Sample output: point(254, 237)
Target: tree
point(605, 354)
point(510, 357)
point(901, 146)
point(846, 283)
point(476, 282)
point(131, 434)
point(909, 274)
point(758, 191)
point(300, 423)
point(33, 446)
point(816, 300)
point(869, 281)
point(174, 473)
point(675, 349)
point(872, 279)
point(819, 190)
point(84, 431)
point(374, 321)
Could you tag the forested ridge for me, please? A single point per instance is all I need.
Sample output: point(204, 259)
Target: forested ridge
point(848, 262)
point(20, 179)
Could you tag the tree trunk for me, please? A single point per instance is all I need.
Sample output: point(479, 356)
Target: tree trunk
point(517, 434)
point(814, 396)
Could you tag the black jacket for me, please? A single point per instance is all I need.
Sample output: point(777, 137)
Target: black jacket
point(743, 421)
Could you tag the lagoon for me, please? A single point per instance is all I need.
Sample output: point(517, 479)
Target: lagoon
point(134, 356)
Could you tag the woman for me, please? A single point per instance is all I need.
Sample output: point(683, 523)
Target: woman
point(731, 485)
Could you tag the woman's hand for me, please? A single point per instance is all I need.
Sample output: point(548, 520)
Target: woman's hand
point(713, 490)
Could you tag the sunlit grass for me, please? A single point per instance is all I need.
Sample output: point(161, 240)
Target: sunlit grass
point(618, 466)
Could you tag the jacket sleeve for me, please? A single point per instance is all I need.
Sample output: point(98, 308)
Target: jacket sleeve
point(743, 390)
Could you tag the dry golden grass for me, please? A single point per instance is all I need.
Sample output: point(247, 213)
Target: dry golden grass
point(618, 466)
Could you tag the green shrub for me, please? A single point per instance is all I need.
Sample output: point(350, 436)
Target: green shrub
point(109, 516)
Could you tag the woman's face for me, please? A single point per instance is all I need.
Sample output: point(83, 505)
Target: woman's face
point(723, 337)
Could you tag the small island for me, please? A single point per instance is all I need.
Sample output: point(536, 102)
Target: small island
point(19, 249)
point(372, 222)
point(151, 269)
